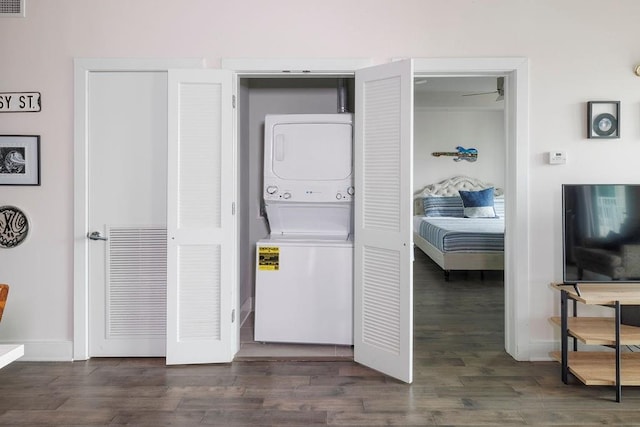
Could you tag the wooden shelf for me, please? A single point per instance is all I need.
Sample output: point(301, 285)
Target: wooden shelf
point(603, 293)
point(600, 330)
point(599, 368)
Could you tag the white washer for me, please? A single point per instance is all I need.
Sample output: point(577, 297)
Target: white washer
point(304, 290)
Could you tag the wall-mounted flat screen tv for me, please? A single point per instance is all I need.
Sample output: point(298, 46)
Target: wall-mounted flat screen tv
point(601, 232)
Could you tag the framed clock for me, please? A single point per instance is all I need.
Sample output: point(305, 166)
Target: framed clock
point(603, 119)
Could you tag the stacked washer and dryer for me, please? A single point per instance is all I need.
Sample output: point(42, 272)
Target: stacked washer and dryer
point(304, 268)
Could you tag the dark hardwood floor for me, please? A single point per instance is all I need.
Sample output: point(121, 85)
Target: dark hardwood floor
point(462, 377)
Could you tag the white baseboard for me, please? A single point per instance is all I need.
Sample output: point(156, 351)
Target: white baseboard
point(62, 351)
point(539, 351)
point(46, 351)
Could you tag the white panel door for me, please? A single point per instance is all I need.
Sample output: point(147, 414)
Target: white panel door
point(200, 217)
point(126, 206)
point(383, 250)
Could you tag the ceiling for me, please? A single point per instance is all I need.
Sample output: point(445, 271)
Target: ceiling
point(455, 84)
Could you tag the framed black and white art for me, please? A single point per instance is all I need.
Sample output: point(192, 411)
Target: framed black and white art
point(19, 160)
point(603, 119)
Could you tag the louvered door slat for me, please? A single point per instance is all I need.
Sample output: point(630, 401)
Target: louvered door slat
point(136, 282)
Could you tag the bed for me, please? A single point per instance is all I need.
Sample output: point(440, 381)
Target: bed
point(456, 234)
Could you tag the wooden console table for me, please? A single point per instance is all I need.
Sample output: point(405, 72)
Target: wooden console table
point(598, 367)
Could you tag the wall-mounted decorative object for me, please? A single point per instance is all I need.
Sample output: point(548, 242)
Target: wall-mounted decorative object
point(14, 226)
point(468, 154)
point(19, 160)
point(603, 119)
point(20, 102)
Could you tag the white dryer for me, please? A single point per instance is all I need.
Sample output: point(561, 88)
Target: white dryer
point(304, 268)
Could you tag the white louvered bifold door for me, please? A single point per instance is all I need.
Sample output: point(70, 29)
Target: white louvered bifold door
point(200, 244)
point(383, 277)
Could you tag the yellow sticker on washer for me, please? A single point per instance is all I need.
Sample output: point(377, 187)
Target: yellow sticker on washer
point(269, 258)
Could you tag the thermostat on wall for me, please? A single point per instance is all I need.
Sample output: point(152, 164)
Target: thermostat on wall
point(557, 157)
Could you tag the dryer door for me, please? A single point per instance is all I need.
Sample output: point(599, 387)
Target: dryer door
point(312, 151)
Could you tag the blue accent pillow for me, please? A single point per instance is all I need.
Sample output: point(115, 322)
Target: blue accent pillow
point(478, 204)
point(438, 206)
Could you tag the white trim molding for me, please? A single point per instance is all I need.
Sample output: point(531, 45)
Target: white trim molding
point(516, 73)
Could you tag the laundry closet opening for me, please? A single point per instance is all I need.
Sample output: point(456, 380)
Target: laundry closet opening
point(257, 98)
point(444, 117)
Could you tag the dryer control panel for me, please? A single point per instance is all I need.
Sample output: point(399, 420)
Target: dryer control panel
point(307, 194)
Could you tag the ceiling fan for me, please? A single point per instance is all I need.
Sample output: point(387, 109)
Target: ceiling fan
point(499, 90)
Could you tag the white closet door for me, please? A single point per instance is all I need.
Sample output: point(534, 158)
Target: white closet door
point(200, 219)
point(383, 311)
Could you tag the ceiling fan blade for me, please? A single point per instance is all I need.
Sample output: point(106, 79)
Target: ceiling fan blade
point(480, 93)
point(499, 90)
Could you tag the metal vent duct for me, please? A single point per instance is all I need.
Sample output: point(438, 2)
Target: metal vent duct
point(12, 8)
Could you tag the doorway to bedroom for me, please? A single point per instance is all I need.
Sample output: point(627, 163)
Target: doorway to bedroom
point(459, 131)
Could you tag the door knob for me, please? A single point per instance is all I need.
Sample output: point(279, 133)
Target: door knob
point(95, 235)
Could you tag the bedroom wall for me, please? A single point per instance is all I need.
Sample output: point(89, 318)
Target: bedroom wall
point(574, 57)
point(443, 121)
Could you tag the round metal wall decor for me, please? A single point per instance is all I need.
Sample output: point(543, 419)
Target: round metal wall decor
point(605, 124)
point(14, 226)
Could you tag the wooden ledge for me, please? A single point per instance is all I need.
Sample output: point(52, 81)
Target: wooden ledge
point(602, 293)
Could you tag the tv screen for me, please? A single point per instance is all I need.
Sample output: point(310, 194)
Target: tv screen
point(601, 232)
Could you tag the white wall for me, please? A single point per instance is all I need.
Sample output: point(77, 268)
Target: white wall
point(574, 55)
point(445, 120)
point(442, 130)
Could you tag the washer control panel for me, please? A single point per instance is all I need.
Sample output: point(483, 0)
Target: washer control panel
point(303, 194)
